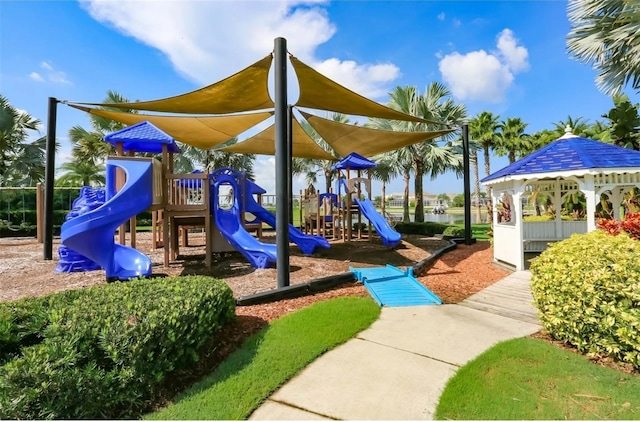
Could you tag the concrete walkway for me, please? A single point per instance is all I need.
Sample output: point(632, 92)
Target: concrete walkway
point(398, 367)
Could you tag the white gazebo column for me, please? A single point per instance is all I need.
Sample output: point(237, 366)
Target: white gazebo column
point(588, 188)
point(517, 210)
point(557, 205)
point(616, 201)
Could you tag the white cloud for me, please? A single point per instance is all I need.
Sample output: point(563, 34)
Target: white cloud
point(371, 81)
point(441, 16)
point(36, 77)
point(482, 76)
point(515, 56)
point(210, 40)
point(50, 74)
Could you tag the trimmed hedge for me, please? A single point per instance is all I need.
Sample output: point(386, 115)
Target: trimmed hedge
point(587, 291)
point(100, 352)
point(453, 231)
point(427, 228)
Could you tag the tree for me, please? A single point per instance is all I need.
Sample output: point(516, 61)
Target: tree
point(606, 34)
point(624, 123)
point(81, 173)
point(424, 157)
point(211, 159)
point(21, 161)
point(578, 126)
point(512, 140)
point(443, 197)
point(310, 167)
point(89, 150)
point(482, 129)
point(385, 171)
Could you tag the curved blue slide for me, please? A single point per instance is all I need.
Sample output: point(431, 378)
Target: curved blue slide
point(92, 234)
point(261, 255)
point(306, 243)
point(389, 236)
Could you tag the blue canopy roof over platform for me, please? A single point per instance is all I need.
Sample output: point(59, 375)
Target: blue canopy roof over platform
point(354, 161)
point(142, 137)
point(569, 155)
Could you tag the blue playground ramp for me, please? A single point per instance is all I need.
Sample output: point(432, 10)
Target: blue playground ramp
point(392, 287)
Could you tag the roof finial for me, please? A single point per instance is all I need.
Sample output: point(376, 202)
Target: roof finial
point(568, 133)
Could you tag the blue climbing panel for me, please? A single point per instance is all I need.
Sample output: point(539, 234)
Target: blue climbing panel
point(391, 287)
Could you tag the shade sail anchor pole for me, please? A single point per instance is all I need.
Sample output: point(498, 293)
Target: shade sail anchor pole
point(50, 166)
point(283, 161)
point(467, 185)
point(289, 160)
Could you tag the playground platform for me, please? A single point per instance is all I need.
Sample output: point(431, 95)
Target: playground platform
point(398, 367)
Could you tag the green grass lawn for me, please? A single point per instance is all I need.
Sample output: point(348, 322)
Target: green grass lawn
point(271, 357)
point(529, 379)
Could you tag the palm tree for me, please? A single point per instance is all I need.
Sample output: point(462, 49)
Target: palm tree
point(512, 141)
point(482, 129)
point(604, 33)
point(385, 171)
point(425, 157)
point(81, 173)
point(89, 145)
point(21, 161)
point(578, 126)
point(211, 159)
point(310, 167)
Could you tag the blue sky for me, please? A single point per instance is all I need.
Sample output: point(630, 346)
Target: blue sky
point(507, 57)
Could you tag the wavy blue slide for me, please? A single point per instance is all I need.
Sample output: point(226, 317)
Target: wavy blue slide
point(306, 243)
point(92, 234)
point(389, 236)
point(261, 255)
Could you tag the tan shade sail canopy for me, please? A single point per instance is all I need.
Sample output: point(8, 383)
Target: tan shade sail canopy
point(246, 90)
point(264, 143)
point(202, 132)
point(319, 92)
point(345, 138)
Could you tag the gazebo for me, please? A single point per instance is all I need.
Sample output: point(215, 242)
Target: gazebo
point(603, 173)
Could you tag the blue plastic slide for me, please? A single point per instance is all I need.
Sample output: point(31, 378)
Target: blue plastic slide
point(92, 234)
point(89, 199)
point(389, 236)
point(306, 243)
point(261, 255)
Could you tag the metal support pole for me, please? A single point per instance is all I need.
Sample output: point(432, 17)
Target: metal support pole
point(50, 166)
point(467, 185)
point(289, 159)
point(283, 162)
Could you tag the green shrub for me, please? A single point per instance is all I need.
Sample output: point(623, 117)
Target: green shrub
point(453, 231)
point(587, 291)
point(427, 228)
point(100, 352)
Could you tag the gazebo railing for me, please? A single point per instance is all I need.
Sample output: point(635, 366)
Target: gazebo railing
point(537, 235)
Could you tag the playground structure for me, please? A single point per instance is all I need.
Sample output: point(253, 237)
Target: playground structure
point(327, 213)
point(177, 202)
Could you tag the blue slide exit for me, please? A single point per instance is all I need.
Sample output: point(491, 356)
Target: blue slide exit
point(306, 243)
point(261, 255)
point(389, 236)
point(92, 234)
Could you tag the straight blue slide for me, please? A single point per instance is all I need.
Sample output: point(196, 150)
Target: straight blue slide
point(389, 236)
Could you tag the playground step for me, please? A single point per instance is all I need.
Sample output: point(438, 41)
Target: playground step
point(392, 287)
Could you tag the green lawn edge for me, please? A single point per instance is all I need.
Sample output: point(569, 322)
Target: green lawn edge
point(530, 379)
point(269, 358)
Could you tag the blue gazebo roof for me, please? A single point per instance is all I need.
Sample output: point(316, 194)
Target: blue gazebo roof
point(569, 154)
point(354, 161)
point(142, 137)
